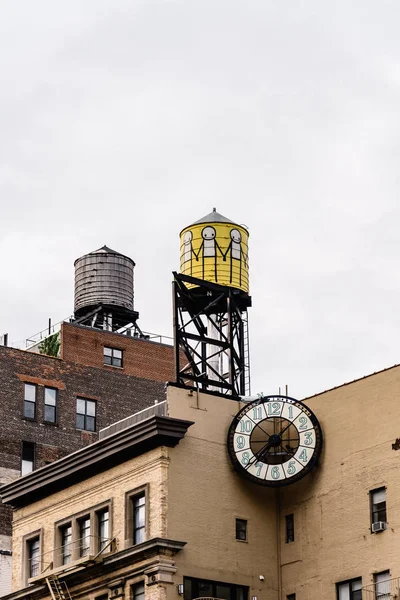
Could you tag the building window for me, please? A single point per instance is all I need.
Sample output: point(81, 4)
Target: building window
point(66, 544)
point(241, 530)
point(378, 509)
point(138, 591)
point(201, 588)
point(139, 517)
point(28, 457)
point(85, 414)
point(289, 528)
point(84, 536)
point(103, 520)
point(112, 357)
point(33, 547)
point(349, 590)
point(291, 597)
point(382, 585)
point(50, 405)
point(29, 401)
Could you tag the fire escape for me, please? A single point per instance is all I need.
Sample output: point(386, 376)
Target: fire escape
point(58, 588)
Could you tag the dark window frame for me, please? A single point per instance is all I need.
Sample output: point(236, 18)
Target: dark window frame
point(84, 526)
point(24, 449)
point(348, 582)
point(289, 528)
point(33, 552)
point(85, 415)
point(110, 360)
point(134, 590)
point(103, 540)
point(386, 594)
point(291, 597)
point(130, 529)
point(55, 421)
point(138, 531)
point(66, 555)
point(75, 522)
point(191, 588)
point(377, 514)
point(26, 564)
point(241, 531)
point(29, 403)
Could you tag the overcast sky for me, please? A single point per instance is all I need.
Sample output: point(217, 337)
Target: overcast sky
point(123, 121)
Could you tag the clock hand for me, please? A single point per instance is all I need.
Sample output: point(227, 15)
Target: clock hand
point(263, 430)
point(286, 428)
point(264, 450)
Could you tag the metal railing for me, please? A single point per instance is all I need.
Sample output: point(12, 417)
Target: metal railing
point(384, 590)
point(159, 409)
point(65, 556)
point(34, 340)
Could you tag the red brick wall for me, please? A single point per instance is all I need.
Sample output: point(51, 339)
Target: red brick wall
point(118, 394)
point(141, 358)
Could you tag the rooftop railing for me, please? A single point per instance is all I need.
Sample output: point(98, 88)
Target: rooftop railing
point(34, 340)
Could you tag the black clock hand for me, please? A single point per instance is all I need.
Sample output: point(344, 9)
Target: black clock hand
point(264, 450)
point(286, 428)
point(263, 430)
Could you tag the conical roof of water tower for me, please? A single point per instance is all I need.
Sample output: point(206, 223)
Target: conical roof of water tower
point(106, 250)
point(212, 217)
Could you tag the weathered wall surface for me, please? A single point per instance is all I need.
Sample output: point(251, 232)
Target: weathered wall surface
point(112, 485)
point(117, 394)
point(141, 358)
point(5, 572)
point(206, 495)
point(331, 506)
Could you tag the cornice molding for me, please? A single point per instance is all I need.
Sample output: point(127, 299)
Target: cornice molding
point(93, 459)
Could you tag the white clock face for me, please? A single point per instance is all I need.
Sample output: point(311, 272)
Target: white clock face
point(275, 440)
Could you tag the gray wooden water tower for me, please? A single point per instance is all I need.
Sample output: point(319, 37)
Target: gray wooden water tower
point(104, 291)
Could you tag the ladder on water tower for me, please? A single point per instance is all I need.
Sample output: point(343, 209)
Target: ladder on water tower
point(246, 355)
point(58, 589)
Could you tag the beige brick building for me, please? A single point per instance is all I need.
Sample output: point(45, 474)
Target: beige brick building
point(155, 509)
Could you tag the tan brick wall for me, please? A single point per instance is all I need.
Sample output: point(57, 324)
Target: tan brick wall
point(206, 495)
point(150, 468)
point(141, 358)
point(331, 506)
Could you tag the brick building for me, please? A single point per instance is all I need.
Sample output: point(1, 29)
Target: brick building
point(155, 510)
point(50, 407)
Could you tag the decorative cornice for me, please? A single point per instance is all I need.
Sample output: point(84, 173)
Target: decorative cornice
point(93, 459)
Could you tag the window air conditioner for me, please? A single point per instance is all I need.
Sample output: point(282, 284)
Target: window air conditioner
point(378, 526)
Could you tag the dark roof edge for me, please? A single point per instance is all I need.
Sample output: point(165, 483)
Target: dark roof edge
point(97, 457)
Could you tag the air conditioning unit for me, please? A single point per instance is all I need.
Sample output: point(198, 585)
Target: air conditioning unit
point(378, 526)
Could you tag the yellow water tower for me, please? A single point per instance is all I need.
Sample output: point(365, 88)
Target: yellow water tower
point(210, 300)
point(216, 249)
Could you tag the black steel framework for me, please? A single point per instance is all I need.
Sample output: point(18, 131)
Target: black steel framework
point(210, 331)
point(110, 318)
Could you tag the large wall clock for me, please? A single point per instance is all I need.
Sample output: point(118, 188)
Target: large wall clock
point(274, 440)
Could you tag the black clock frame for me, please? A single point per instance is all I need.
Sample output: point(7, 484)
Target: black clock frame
point(281, 482)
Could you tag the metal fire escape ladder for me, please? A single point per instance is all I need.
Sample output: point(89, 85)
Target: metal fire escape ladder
point(58, 589)
point(246, 355)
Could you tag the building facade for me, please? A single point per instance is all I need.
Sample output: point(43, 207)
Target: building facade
point(50, 407)
point(181, 520)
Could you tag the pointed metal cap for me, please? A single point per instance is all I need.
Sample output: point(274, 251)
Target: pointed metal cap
point(106, 250)
point(213, 217)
